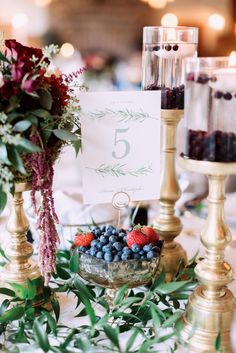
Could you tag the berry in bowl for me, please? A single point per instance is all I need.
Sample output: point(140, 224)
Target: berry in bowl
point(111, 258)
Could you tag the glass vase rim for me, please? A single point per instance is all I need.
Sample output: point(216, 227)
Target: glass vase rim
point(171, 27)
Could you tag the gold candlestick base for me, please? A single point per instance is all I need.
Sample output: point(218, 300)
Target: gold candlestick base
point(211, 307)
point(20, 267)
point(167, 224)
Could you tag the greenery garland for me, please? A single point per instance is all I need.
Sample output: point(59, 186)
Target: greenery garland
point(142, 315)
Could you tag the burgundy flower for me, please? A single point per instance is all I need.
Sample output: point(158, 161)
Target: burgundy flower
point(59, 91)
point(8, 90)
point(30, 85)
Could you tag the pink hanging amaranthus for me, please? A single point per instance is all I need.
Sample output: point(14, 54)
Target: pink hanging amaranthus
point(42, 180)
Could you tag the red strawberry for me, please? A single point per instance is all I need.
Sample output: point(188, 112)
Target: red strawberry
point(136, 236)
point(83, 239)
point(151, 233)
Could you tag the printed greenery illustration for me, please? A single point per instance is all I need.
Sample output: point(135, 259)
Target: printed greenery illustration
point(118, 170)
point(124, 116)
point(147, 316)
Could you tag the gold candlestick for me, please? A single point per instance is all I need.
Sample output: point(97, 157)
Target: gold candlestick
point(211, 307)
point(20, 267)
point(167, 224)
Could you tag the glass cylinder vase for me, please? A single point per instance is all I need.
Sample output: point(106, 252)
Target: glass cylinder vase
point(164, 51)
point(210, 109)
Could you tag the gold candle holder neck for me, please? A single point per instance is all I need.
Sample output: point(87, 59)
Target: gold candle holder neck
point(19, 251)
point(211, 307)
point(167, 224)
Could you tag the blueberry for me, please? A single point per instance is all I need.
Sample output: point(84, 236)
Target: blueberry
point(116, 258)
point(83, 248)
point(93, 251)
point(136, 248)
point(125, 256)
point(119, 253)
point(141, 253)
point(99, 255)
point(99, 245)
point(118, 246)
point(107, 247)
point(103, 229)
point(97, 232)
point(150, 254)
point(122, 232)
point(124, 240)
point(136, 256)
point(113, 239)
point(103, 239)
point(108, 233)
point(109, 227)
point(143, 257)
point(114, 232)
point(87, 252)
point(108, 257)
point(94, 242)
point(147, 248)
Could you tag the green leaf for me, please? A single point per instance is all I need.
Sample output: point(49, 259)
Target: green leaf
point(45, 100)
point(74, 261)
point(51, 322)
point(31, 289)
point(158, 281)
point(56, 308)
point(218, 342)
point(112, 334)
point(132, 339)
point(65, 135)
point(7, 292)
point(20, 336)
point(83, 290)
point(167, 288)
point(21, 126)
point(20, 290)
point(41, 336)
point(42, 113)
point(120, 294)
point(28, 146)
point(89, 309)
point(4, 305)
point(3, 58)
point(16, 160)
point(155, 318)
point(3, 153)
point(13, 314)
point(77, 146)
point(172, 320)
point(3, 200)
point(63, 274)
point(33, 119)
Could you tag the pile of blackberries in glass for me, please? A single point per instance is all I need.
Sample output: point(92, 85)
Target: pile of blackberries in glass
point(171, 98)
point(110, 244)
point(216, 146)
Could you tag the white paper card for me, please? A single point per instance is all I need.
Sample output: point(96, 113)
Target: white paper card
point(120, 145)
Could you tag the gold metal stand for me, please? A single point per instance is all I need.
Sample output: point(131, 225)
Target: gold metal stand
point(19, 251)
point(211, 307)
point(167, 224)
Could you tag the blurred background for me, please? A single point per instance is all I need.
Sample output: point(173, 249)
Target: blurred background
point(106, 35)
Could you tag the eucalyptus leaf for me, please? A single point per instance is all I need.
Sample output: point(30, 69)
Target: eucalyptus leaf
point(64, 135)
point(42, 113)
point(45, 99)
point(172, 319)
point(56, 308)
point(82, 288)
point(77, 146)
point(31, 289)
point(41, 336)
point(51, 323)
point(155, 318)
point(167, 288)
point(158, 281)
point(20, 290)
point(63, 274)
point(132, 339)
point(3, 153)
point(27, 146)
point(3, 200)
point(89, 309)
point(7, 291)
point(120, 294)
point(21, 126)
point(16, 160)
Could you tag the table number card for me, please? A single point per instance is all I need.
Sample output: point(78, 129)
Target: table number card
point(120, 145)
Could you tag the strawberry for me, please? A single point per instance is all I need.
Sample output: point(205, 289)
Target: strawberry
point(83, 239)
point(136, 236)
point(151, 233)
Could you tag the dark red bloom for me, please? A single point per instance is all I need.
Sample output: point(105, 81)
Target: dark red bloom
point(8, 90)
point(59, 91)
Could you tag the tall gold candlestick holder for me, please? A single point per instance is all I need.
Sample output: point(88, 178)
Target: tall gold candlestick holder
point(211, 307)
point(167, 224)
point(19, 251)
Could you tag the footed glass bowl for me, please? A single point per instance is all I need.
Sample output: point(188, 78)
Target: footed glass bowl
point(114, 275)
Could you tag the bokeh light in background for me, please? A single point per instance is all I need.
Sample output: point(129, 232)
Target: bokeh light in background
point(157, 4)
point(43, 3)
point(169, 20)
point(216, 21)
point(19, 20)
point(67, 50)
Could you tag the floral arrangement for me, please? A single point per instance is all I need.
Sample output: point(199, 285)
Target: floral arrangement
point(38, 115)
